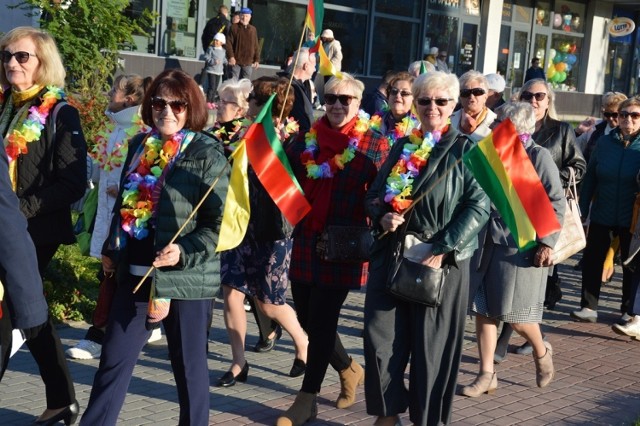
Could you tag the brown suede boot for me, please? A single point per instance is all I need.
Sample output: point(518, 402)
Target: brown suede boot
point(304, 408)
point(485, 382)
point(350, 378)
point(544, 367)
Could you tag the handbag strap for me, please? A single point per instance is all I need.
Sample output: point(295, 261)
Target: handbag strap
point(572, 191)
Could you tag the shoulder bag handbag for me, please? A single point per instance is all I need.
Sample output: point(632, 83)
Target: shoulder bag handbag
point(572, 238)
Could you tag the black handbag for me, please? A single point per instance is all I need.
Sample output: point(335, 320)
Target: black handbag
point(346, 244)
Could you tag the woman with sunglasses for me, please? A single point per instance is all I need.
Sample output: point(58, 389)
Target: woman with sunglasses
point(258, 267)
point(166, 173)
point(607, 196)
point(474, 118)
point(447, 221)
point(335, 163)
point(47, 165)
point(397, 120)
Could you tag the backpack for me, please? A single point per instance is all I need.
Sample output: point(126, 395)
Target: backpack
point(214, 26)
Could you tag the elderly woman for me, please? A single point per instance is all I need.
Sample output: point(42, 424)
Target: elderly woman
point(232, 108)
point(259, 266)
point(513, 281)
point(448, 218)
point(47, 167)
point(610, 103)
point(607, 195)
point(398, 121)
point(474, 118)
point(335, 164)
point(186, 162)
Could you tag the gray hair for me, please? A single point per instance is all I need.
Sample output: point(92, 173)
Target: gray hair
point(414, 68)
point(612, 100)
point(436, 80)
point(521, 115)
point(550, 94)
point(239, 89)
point(355, 86)
point(474, 76)
point(303, 57)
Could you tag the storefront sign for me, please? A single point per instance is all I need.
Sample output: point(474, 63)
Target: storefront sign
point(621, 26)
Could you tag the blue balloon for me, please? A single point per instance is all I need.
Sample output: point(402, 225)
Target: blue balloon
point(568, 68)
point(571, 59)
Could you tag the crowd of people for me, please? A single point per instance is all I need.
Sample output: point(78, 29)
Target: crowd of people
point(387, 164)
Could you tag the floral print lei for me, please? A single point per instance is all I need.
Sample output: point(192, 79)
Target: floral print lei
point(31, 128)
point(108, 161)
point(414, 157)
point(338, 161)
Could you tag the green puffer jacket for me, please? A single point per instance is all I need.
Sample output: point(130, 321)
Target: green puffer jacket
point(197, 274)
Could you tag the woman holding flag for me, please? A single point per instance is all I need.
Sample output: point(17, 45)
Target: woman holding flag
point(513, 277)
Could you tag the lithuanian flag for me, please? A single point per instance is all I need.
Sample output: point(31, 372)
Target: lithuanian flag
point(315, 15)
point(261, 148)
point(502, 167)
point(326, 66)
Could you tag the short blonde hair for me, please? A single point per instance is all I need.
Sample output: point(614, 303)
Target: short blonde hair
point(239, 89)
point(353, 85)
point(611, 100)
point(50, 70)
point(437, 80)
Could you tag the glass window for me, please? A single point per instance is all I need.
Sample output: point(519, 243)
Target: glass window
point(350, 30)
point(522, 14)
point(543, 13)
point(467, 53)
point(472, 7)
point(442, 32)
point(180, 36)
point(565, 57)
point(503, 50)
point(568, 16)
point(507, 11)
point(540, 48)
point(394, 56)
point(408, 8)
point(359, 4)
point(444, 4)
point(141, 42)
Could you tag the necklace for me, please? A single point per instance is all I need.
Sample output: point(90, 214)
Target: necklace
point(338, 161)
point(400, 130)
point(108, 161)
point(226, 133)
point(31, 128)
point(138, 201)
point(414, 157)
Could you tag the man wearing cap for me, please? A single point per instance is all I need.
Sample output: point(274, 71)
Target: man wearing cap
point(242, 46)
point(332, 48)
point(496, 84)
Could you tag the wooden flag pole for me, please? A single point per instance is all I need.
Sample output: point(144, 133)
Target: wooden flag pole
point(293, 69)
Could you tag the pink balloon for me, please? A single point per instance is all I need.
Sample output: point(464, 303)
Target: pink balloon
point(557, 20)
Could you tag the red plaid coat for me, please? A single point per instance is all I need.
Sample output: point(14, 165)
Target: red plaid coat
point(347, 208)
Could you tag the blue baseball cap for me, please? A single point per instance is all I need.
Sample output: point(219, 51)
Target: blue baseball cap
point(246, 11)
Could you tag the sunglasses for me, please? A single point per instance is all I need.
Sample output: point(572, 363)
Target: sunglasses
point(331, 99)
point(438, 101)
point(527, 96)
point(465, 93)
point(610, 114)
point(395, 92)
point(625, 114)
point(159, 104)
point(21, 57)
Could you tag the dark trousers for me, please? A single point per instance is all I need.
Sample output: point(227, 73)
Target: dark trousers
point(598, 242)
point(214, 82)
point(185, 326)
point(318, 310)
point(47, 351)
point(241, 71)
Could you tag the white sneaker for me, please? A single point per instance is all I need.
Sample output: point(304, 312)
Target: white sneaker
point(585, 315)
point(85, 349)
point(156, 335)
point(631, 328)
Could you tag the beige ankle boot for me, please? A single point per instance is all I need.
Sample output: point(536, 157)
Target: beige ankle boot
point(304, 408)
point(350, 378)
point(485, 382)
point(544, 367)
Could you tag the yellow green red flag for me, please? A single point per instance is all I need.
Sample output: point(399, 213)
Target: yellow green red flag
point(326, 66)
point(315, 15)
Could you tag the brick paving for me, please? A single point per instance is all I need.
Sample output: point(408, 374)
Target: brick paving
point(597, 378)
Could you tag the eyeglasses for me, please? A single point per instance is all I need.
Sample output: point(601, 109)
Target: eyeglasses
point(330, 99)
point(224, 101)
point(527, 96)
point(625, 114)
point(21, 56)
point(393, 91)
point(610, 114)
point(159, 104)
point(438, 101)
point(478, 91)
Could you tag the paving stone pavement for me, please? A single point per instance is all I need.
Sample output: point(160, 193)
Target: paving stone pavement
point(597, 376)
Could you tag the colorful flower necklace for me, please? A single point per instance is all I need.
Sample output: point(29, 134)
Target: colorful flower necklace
point(226, 135)
point(414, 157)
point(108, 161)
point(138, 204)
point(31, 128)
point(338, 161)
point(401, 129)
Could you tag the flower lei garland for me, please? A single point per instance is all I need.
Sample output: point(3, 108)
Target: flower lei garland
point(407, 124)
point(113, 160)
point(413, 158)
point(137, 202)
point(227, 136)
point(338, 161)
point(31, 128)
point(230, 141)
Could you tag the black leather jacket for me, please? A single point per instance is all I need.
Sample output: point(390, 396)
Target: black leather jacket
point(560, 139)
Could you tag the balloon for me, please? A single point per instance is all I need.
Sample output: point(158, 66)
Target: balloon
point(557, 20)
point(554, 78)
point(561, 66)
point(568, 68)
point(552, 53)
point(551, 71)
point(560, 57)
point(573, 48)
point(564, 47)
point(571, 59)
point(561, 76)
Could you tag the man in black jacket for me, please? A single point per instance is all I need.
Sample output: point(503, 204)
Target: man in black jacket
point(219, 23)
point(304, 68)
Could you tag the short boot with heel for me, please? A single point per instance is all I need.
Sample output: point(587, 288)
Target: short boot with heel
point(544, 367)
point(350, 378)
point(485, 382)
point(304, 409)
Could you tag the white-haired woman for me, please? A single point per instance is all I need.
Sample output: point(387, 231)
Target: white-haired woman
point(448, 218)
point(474, 118)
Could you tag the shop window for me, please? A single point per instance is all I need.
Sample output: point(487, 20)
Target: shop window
point(350, 30)
point(563, 63)
point(359, 4)
point(444, 4)
point(568, 16)
point(503, 50)
point(442, 32)
point(543, 13)
point(391, 55)
point(407, 8)
point(522, 14)
point(182, 31)
point(472, 7)
point(145, 43)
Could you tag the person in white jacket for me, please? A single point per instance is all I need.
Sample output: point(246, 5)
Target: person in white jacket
point(109, 153)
